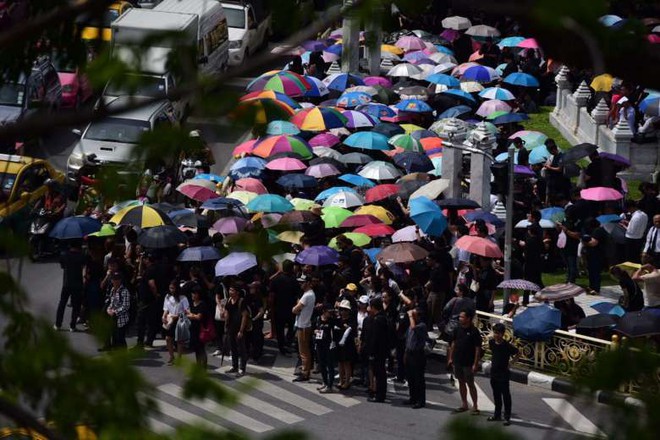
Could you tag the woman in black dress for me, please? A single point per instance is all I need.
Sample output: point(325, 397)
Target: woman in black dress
point(198, 313)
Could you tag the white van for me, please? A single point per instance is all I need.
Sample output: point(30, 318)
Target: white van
point(250, 26)
point(212, 33)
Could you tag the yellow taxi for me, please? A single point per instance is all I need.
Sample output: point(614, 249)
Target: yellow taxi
point(21, 186)
point(93, 31)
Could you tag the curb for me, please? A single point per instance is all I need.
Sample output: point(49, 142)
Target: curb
point(553, 383)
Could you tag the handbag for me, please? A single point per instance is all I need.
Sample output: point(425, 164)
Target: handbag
point(182, 329)
point(474, 286)
point(207, 332)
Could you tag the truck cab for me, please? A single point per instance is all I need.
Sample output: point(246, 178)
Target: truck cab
point(249, 23)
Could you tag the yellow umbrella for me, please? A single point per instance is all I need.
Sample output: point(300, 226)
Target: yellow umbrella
point(142, 216)
point(392, 49)
point(411, 128)
point(358, 238)
point(290, 236)
point(377, 211)
point(243, 196)
point(602, 83)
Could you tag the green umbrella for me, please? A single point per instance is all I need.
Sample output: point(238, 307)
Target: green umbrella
point(106, 230)
point(406, 142)
point(359, 239)
point(333, 216)
point(496, 114)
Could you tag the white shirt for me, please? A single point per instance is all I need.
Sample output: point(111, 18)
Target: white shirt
point(304, 318)
point(653, 233)
point(637, 225)
point(174, 307)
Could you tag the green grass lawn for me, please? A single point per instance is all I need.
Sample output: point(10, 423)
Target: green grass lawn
point(559, 277)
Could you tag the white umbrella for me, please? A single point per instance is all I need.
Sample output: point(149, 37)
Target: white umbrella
point(426, 70)
point(344, 199)
point(379, 170)
point(481, 30)
point(326, 152)
point(441, 58)
point(385, 55)
point(545, 224)
point(444, 67)
point(456, 22)
point(409, 233)
point(405, 70)
point(363, 89)
point(431, 190)
point(235, 263)
point(471, 87)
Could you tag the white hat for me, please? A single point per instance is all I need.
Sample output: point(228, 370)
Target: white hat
point(345, 304)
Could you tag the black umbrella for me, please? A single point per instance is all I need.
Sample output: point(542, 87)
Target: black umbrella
point(388, 129)
point(356, 158)
point(578, 152)
point(332, 161)
point(161, 237)
point(185, 217)
point(599, 320)
point(414, 92)
point(404, 84)
point(458, 204)
point(407, 187)
point(638, 324)
point(413, 162)
point(165, 207)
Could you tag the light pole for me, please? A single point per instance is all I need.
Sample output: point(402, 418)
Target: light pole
point(508, 232)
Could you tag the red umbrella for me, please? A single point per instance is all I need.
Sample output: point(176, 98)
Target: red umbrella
point(380, 192)
point(250, 184)
point(479, 246)
point(357, 220)
point(200, 190)
point(600, 194)
point(378, 230)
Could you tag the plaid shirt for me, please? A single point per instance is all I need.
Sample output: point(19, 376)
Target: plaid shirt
point(120, 302)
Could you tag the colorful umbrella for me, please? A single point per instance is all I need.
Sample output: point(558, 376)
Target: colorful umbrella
point(244, 148)
point(558, 292)
point(510, 41)
point(341, 81)
point(358, 239)
point(269, 203)
point(262, 110)
point(377, 110)
point(319, 119)
point(322, 170)
point(249, 162)
point(330, 191)
point(523, 170)
point(497, 93)
point(375, 230)
point(402, 253)
point(317, 256)
point(333, 216)
point(377, 211)
point(303, 204)
point(538, 155)
point(358, 119)
point(616, 158)
point(235, 264)
point(358, 220)
point(491, 106)
point(521, 79)
point(317, 88)
point(479, 246)
point(356, 180)
point(455, 112)
point(367, 140)
point(406, 142)
point(271, 95)
point(142, 216)
point(428, 216)
point(413, 106)
point(344, 199)
point(280, 144)
point(286, 164)
point(353, 99)
point(244, 197)
point(553, 213)
point(282, 81)
point(75, 227)
point(230, 225)
point(379, 170)
point(161, 237)
point(600, 194)
point(250, 184)
point(531, 139)
point(602, 83)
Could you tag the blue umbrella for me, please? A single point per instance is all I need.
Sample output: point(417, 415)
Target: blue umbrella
point(335, 49)
point(249, 162)
point(608, 218)
point(480, 74)
point(413, 162)
point(282, 127)
point(413, 106)
point(608, 307)
point(372, 253)
point(455, 112)
point(502, 157)
point(353, 99)
point(443, 79)
point(208, 176)
point(356, 180)
point(318, 256)
point(297, 181)
point(509, 118)
point(510, 41)
point(314, 45)
point(497, 93)
point(269, 203)
point(245, 172)
point(539, 155)
point(537, 323)
point(317, 90)
point(444, 49)
point(377, 110)
point(186, 217)
point(220, 203)
point(650, 105)
point(521, 79)
point(331, 191)
point(552, 213)
point(75, 227)
point(367, 140)
point(483, 215)
point(199, 253)
point(388, 129)
point(342, 81)
point(423, 134)
point(428, 216)
point(609, 20)
point(459, 94)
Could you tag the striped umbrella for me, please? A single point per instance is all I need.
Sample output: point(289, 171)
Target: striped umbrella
point(261, 111)
point(491, 106)
point(319, 119)
point(270, 145)
point(142, 216)
point(283, 81)
point(518, 285)
point(497, 93)
point(342, 81)
point(357, 119)
point(406, 142)
point(244, 148)
point(317, 88)
point(270, 94)
point(558, 292)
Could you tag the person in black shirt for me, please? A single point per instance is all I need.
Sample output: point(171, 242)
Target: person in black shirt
point(72, 263)
point(463, 357)
point(523, 153)
point(594, 242)
point(490, 52)
point(377, 347)
point(594, 171)
point(152, 286)
point(501, 352)
point(415, 359)
point(284, 291)
point(569, 227)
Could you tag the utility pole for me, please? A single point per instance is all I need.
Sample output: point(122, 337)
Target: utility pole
point(374, 38)
point(350, 56)
point(508, 238)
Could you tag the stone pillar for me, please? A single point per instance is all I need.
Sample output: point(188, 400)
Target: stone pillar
point(581, 96)
point(562, 84)
point(350, 56)
point(453, 134)
point(374, 38)
point(622, 137)
point(599, 114)
point(483, 140)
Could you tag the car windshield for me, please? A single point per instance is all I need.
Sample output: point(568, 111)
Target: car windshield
point(151, 86)
point(235, 18)
point(6, 184)
point(12, 94)
point(126, 131)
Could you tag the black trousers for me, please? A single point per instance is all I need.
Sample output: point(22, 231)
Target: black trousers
point(501, 394)
point(415, 369)
point(256, 340)
point(76, 295)
point(118, 336)
point(633, 249)
point(284, 321)
point(148, 322)
point(238, 350)
point(380, 377)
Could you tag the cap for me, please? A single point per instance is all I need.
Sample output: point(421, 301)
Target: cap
point(351, 286)
point(345, 304)
point(364, 299)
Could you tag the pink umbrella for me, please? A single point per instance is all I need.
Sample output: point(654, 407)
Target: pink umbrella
point(199, 193)
point(410, 42)
point(600, 194)
point(430, 50)
point(230, 225)
point(286, 164)
point(450, 34)
point(475, 56)
point(653, 38)
point(250, 184)
point(245, 147)
point(377, 81)
point(324, 140)
point(322, 170)
point(529, 43)
point(491, 106)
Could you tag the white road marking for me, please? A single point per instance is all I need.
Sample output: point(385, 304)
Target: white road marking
point(184, 416)
point(572, 416)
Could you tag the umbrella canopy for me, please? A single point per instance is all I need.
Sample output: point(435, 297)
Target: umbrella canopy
point(251, 184)
point(428, 216)
point(141, 216)
point(431, 190)
point(413, 106)
point(410, 43)
point(330, 191)
point(388, 129)
point(355, 158)
point(197, 189)
point(358, 119)
point(241, 173)
point(275, 128)
point(408, 233)
point(324, 140)
point(282, 144)
point(650, 105)
point(125, 204)
point(290, 236)
point(221, 203)
point(209, 176)
point(379, 212)
point(358, 239)
point(161, 237)
point(602, 83)
point(282, 81)
point(404, 70)
point(480, 74)
point(286, 164)
point(75, 227)
point(600, 194)
point(230, 225)
point(458, 203)
point(249, 162)
point(544, 223)
point(303, 204)
point(298, 217)
point(235, 264)
point(317, 256)
point(491, 106)
point(297, 181)
point(519, 285)
point(187, 218)
point(479, 246)
point(377, 110)
point(199, 253)
point(455, 112)
point(537, 323)
point(322, 170)
point(413, 162)
point(353, 99)
point(559, 292)
point(269, 203)
point(357, 220)
point(521, 79)
point(460, 94)
point(578, 152)
point(553, 213)
point(107, 230)
point(379, 170)
point(608, 308)
point(356, 180)
point(334, 216)
point(531, 139)
point(499, 118)
point(639, 324)
point(317, 89)
point(402, 253)
point(341, 81)
point(529, 43)
point(497, 93)
point(405, 142)
point(510, 41)
point(483, 31)
point(456, 22)
point(244, 197)
point(367, 140)
point(344, 199)
point(443, 79)
point(616, 158)
point(599, 320)
point(376, 230)
point(319, 119)
point(381, 192)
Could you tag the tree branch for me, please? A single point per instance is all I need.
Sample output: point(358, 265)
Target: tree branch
point(27, 420)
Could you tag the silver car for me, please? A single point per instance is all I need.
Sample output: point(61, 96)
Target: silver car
point(113, 140)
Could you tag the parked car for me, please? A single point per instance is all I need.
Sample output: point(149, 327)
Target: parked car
point(96, 29)
point(146, 4)
point(76, 88)
point(249, 24)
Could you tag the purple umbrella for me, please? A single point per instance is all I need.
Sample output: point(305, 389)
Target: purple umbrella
point(235, 264)
point(230, 225)
point(324, 140)
point(450, 34)
point(523, 170)
point(314, 46)
point(318, 256)
point(322, 170)
point(618, 159)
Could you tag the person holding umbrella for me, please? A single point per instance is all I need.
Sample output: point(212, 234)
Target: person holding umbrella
point(72, 263)
point(554, 170)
